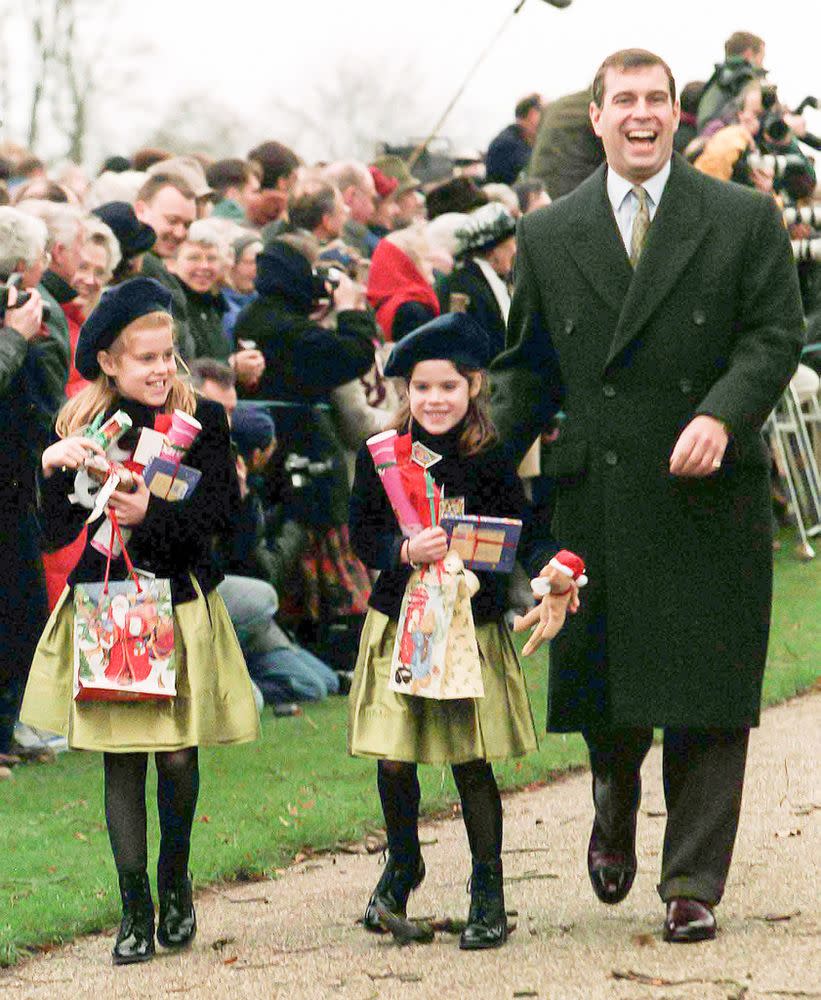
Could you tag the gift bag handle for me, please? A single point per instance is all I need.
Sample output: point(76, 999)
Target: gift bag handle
point(116, 532)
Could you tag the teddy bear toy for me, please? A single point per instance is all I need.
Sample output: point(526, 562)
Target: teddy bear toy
point(558, 588)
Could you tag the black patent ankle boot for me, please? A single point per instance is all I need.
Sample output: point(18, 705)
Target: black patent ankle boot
point(178, 921)
point(487, 920)
point(135, 938)
point(398, 881)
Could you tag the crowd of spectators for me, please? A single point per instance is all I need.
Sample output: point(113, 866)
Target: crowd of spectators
point(291, 281)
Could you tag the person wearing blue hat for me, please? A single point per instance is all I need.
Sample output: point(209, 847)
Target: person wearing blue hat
point(126, 350)
point(446, 415)
point(135, 238)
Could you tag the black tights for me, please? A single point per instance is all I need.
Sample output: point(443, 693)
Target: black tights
point(178, 782)
point(481, 808)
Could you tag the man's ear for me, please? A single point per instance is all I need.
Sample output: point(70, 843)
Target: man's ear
point(595, 113)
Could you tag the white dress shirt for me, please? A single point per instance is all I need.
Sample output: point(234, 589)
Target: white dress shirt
point(497, 286)
point(626, 204)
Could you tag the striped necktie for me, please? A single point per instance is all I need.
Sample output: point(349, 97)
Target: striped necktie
point(641, 223)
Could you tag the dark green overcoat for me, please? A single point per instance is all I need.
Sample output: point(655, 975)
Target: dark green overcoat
point(674, 621)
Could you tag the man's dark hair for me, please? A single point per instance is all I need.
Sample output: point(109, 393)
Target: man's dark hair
point(690, 96)
point(209, 370)
point(740, 41)
point(626, 59)
point(29, 165)
point(146, 157)
point(308, 205)
point(115, 164)
point(156, 182)
point(224, 174)
point(527, 104)
point(275, 160)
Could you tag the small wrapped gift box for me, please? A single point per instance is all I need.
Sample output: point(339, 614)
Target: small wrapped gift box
point(484, 543)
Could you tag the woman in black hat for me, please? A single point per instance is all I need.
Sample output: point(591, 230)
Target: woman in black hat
point(126, 351)
point(486, 248)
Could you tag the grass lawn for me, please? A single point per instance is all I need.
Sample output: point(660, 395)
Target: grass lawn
point(261, 804)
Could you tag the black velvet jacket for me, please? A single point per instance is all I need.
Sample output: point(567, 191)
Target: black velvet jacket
point(176, 538)
point(490, 485)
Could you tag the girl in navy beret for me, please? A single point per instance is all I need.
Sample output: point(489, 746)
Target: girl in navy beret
point(126, 350)
point(446, 412)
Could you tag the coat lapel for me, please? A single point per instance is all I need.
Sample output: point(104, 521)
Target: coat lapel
point(596, 245)
point(677, 230)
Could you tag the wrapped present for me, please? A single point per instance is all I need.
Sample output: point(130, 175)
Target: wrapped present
point(383, 451)
point(124, 638)
point(484, 543)
point(435, 654)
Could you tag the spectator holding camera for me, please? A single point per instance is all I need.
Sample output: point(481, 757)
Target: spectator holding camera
point(33, 371)
point(303, 360)
point(743, 63)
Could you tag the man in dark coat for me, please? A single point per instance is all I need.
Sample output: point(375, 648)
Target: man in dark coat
point(567, 150)
point(33, 372)
point(666, 337)
point(509, 153)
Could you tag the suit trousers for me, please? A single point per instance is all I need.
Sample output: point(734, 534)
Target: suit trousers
point(703, 776)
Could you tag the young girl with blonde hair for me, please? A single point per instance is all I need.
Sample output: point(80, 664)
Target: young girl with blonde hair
point(126, 351)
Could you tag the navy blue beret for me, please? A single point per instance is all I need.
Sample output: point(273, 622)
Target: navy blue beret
point(118, 306)
point(134, 237)
point(251, 427)
point(454, 337)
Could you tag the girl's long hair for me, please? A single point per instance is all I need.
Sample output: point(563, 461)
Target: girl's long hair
point(478, 433)
point(100, 395)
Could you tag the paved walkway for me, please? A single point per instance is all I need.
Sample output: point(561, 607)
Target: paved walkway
point(297, 938)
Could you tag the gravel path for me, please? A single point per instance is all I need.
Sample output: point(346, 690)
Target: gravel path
point(296, 937)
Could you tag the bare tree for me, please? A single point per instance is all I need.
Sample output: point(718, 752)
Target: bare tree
point(196, 122)
point(355, 108)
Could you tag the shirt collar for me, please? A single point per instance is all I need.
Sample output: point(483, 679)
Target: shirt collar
point(619, 187)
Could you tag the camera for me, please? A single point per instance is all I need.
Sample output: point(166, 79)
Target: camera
point(810, 215)
point(14, 281)
point(806, 250)
point(780, 164)
point(325, 282)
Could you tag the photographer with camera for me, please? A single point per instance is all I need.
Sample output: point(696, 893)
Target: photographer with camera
point(743, 63)
point(33, 371)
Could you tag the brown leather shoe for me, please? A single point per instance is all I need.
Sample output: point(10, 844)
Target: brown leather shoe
point(689, 920)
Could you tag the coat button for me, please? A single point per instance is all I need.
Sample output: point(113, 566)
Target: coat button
point(611, 458)
point(685, 385)
point(699, 318)
point(609, 391)
point(569, 326)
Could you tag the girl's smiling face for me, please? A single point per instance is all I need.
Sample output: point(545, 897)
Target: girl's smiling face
point(439, 395)
point(141, 362)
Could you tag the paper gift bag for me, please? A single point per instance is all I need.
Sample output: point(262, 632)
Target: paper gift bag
point(435, 654)
point(124, 639)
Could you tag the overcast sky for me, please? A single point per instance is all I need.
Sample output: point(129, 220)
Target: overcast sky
point(247, 55)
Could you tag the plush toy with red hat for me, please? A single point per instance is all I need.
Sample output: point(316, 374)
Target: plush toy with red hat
point(558, 587)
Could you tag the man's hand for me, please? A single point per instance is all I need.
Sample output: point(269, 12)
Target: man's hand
point(242, 476)
point(27, 319)
point(762, 178)
point(130, 508)
point(349, 295)
point(248, 366)
point(700, 448)
point(430, 545)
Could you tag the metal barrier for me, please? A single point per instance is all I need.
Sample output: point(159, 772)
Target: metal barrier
point(792, 446)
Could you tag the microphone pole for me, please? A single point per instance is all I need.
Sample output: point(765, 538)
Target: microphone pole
point(483, 55)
